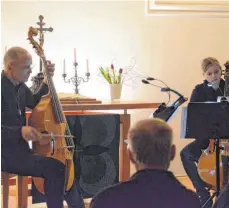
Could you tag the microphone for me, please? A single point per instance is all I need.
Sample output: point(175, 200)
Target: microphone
point(163, 89)
point(215, 86)
point(145, 81)
point(150, 78)
point(172, 90)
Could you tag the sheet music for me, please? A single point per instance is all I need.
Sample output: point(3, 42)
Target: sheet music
point(205, 120)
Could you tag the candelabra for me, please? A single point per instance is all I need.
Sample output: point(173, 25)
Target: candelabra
point(76, 80)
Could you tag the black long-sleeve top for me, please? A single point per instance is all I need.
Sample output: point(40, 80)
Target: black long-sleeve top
point(14, 100)
point(203, 93)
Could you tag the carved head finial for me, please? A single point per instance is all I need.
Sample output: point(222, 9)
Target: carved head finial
point(41, 18)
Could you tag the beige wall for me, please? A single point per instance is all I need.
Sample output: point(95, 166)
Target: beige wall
point(169, 48)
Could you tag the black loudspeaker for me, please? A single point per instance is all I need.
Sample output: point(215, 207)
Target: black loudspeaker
point(96, 157)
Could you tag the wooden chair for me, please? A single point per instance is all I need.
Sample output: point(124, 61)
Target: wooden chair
point(21, 183)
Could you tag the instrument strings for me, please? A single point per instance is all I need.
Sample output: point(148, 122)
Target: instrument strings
point(57, 107)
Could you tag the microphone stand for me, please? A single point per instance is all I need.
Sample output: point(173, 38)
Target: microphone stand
point(164, 112)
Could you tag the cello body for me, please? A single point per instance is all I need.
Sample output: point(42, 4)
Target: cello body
point(49, 119)
point(43, 120)
point(207, 165)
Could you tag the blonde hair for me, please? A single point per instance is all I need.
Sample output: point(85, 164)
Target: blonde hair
point(151, 141)
point(208, 62)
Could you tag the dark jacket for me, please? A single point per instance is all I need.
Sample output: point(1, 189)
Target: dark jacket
point(203, 93)
point(14, 100)
point(149, 189)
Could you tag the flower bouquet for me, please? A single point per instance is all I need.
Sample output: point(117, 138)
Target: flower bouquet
point(111, 75)
point(114, 78)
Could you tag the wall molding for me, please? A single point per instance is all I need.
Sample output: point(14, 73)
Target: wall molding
point(194, 8)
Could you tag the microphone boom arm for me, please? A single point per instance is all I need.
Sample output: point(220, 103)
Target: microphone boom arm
point(172, 90)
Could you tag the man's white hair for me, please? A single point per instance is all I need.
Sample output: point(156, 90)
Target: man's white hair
point(13, 54)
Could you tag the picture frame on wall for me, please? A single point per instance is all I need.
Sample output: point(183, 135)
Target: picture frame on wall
point(194, 8)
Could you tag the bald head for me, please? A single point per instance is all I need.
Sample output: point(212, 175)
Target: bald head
point(14, 54)
point(17, 64)
point(150, 141)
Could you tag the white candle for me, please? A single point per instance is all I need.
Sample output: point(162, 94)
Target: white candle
point(64, 72)
point(87, 67)
point(74, 55)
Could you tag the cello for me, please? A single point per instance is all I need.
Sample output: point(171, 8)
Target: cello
point(49, 119)
point(207, 162)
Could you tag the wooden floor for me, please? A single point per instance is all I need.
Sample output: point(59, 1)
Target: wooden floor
point(12, 202)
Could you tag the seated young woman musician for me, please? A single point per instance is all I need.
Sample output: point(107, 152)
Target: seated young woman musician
point(211, 88)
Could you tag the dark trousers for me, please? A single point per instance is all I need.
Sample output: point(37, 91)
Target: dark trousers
point(189, 159)
point(53, 171)
point(74, 197)
point(225, 161)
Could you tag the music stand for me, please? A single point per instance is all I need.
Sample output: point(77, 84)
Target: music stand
point(208, 121)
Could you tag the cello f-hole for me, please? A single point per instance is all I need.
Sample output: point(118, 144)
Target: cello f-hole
point(53, 146)
point(53, 143)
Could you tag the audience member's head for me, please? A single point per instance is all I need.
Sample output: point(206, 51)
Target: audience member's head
point(150, 144)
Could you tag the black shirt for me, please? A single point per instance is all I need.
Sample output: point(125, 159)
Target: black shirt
point(203, 92)
point(14, 101)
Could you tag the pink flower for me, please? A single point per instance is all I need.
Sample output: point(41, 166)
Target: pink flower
point(120, 71)
point(112, 66)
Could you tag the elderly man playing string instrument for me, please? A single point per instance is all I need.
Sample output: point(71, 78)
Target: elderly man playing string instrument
point(17, 157)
